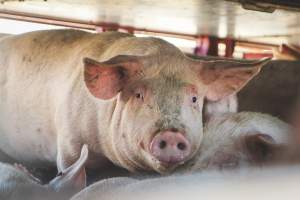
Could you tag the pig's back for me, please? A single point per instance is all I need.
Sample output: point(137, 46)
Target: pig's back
point(16, 184)
point(247, 184)
point(37, 71)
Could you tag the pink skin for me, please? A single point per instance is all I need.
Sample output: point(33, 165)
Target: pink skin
point(100, 103)
point(170, 147)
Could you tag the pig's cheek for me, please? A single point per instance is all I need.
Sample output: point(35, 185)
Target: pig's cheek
point(141, 146)
point(150, 162)
point(133, 105)
point(199, 164)
point(223, 161)
point(195, 106)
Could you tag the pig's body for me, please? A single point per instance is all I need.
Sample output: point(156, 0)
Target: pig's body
point(16, 183)
point(53, 99)
point(264, 184)
point(119, 94)
point(236, 140)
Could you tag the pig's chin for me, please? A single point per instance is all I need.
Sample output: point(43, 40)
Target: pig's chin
point(165, 168)
point(158, 166)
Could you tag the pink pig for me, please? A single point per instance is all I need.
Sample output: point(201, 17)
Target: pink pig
point(136, 102)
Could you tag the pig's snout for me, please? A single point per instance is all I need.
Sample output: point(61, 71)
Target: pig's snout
point(170, 147)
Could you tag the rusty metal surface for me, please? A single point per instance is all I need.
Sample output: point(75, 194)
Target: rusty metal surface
point(275, 90)
point(269, 5)
point(189, 17)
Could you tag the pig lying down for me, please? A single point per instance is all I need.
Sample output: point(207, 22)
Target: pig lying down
point(16, 184)
point(231, 141)
point(236, 140)
point(274, 183)
point(126, 97)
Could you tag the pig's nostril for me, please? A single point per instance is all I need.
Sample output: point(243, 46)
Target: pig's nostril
point(162, 144)
point(181, 146)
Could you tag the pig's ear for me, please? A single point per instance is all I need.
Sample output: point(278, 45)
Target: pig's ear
point(224, 78)
point(262, 147)
point(72, 179)
point(105, 79)
point(76, 172)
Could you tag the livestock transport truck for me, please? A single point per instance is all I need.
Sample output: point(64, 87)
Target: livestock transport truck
point(137, 99)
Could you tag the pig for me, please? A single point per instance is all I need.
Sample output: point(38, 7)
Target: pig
point(234, 145)
point(235, 140)
point(126, 97)
point(276, 183)
point(17, 184)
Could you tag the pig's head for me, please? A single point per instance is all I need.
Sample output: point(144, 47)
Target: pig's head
point(226, 148)
point(252, 149)
point(158, 94)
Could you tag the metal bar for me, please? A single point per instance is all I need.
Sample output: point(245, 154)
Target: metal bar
point(213, 49)
point(80, 24)
point(269, 5)
point(230, 44)
point(91, 26)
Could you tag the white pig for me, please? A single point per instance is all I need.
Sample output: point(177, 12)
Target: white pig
point(238, 142)
point(241, 139)
point(274, 183)
point(124, 96)
point(17, 184)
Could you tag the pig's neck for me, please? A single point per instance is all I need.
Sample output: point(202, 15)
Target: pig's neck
point(109, 139)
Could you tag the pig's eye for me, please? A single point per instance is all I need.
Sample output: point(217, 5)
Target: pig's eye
point(139, 96)
point(139, 93)
point(194, 99)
